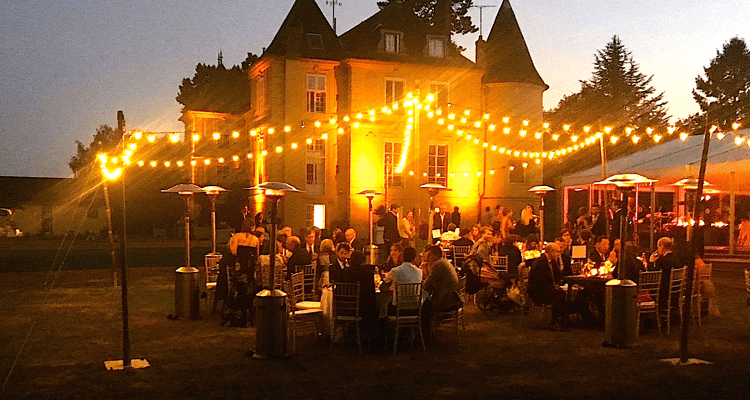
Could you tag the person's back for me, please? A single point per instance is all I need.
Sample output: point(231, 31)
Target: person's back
point(442, 284)
point(357, 272)
point(405, 273)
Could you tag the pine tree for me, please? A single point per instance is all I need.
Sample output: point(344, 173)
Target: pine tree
point(105, 140)
point(724, 94)
point(617, 96)
point(218, 89)
point(460, 22)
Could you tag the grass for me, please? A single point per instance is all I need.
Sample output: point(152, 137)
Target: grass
point(78, 327)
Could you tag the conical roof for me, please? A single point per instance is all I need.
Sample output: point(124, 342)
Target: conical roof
point(508, 58)
point(305, 33)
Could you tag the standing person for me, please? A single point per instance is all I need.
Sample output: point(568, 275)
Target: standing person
point(456, 217)
point(506, 222)
point(542, 288)
point(389, 222)
point(526, 225)
point(243, 247)
point(352, 241)
point(487, 217)
point(442, 219)
point(407, 229)
point(597, 221)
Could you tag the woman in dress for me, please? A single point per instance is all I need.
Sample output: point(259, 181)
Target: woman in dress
point(526, 225)
point(243, 249)
point(407, 229)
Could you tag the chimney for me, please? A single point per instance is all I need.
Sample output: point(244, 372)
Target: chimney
point(481, 56)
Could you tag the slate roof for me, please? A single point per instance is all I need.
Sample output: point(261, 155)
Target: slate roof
point(362, 41)
point(292, 39)
point(508, 58)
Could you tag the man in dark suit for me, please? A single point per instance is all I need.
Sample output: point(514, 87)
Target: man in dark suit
point(564, 261)
point(601, 250)
point(598, 221)
point(389, 222)
point(310, 246)
point(664, 260)
point(340, 263)
point(456, 217)
point(441, 221)
point(542, 288)
point(357, 272)
point(299, 255)
point(351, 239)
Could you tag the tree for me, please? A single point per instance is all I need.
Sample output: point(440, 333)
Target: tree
point(724, 94)
point(425, 9)
point(218, 89)
point(105, 140)
point(617, 95)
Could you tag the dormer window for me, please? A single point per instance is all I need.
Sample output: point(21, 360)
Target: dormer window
point(436, 46)
point(392, 41)
point(315, 41)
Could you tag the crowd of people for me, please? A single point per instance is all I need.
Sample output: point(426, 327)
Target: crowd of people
point(339, 254)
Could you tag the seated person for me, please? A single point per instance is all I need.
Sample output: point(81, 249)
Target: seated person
point(405, 273)
point(339, 263)
point(508, 248)
point(466, 238)
point(298, 256)
point(442, 284)
point(564, 262)
point(600, 253)
point(357, 272)
point(395, 258)
point(542, 288)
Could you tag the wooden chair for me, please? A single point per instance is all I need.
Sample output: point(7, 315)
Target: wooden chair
point(500, 263)
point(454, 316)
point(576, 267)
point(310, 271)
point(300, 319)
point(346, 310)
point(676, 286)
point(702, 274)
point(459, 255)
point(648, 297)
point(408, 298)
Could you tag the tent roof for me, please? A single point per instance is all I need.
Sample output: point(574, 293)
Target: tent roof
point(675, 160)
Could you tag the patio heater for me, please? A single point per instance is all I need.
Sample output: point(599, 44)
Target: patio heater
point(373, 252)
point(690, 187)
point(541, 191)
point(621, 329)
point(212, 259)
point(270, 303)
point(186, 280)
point(432, 189)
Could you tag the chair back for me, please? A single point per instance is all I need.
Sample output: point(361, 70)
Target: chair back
point(298, 287)
point(309, 272)
point(278, 272)
point(459, 255)
point(500, 263)
point(650, 282)
point(408, 296)
point(747, 281)
point(703, 273)
point(346, 299)
point(462, 288)
point(677, 282)
point(523, 277)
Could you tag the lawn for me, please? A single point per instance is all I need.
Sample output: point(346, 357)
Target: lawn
point(77, 326)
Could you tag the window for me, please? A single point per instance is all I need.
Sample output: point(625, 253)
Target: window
point(318, 145)
point(440, 90)
point(316, 216)
point(392, 42)
point(392, 159)
point(515, 171)
point(437, 164)
point(260, 94)
point(394, 90)
point(316, 93)
point(312, 174)
point(436, 47)
point(315, 41)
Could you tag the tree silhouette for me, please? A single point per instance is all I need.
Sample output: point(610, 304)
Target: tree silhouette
point(724, 94)
point(617, 96)
point(218, 89)
point(105, 140)
point(425, 9)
